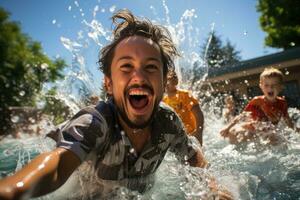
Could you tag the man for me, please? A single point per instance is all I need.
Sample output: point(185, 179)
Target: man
point(125, 135)
point(186, 106)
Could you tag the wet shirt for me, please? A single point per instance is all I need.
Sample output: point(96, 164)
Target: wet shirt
point(100, 134)
point(183, 103)
point(264, 110)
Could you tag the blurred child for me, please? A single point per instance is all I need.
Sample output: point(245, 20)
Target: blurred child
point(266, 108)
point(229, 111)
point(185, 105)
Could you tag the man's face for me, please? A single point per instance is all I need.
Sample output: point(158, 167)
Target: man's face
point(271, 87)
point(136, 81)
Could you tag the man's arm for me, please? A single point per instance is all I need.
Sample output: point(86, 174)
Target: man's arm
point(46, 173)
point(199, 123)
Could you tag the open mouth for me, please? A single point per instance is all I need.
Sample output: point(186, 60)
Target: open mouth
point(270, 94)
point(139, 99)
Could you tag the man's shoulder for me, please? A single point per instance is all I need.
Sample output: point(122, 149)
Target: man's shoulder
point(166, 112)
point(167, 118)
point(93, 116)
point(164, 108)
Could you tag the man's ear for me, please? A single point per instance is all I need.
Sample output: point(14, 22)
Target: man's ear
point(108, 85)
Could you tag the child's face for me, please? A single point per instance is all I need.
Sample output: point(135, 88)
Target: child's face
point(171, 85)
point(229, 101)
point(271, 87)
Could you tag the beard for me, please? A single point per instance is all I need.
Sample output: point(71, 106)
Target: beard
point(134, 124)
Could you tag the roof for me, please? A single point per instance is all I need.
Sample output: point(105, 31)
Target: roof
point(287, 55)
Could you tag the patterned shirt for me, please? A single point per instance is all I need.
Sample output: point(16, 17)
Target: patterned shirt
point(100, 134)
point(183, 103)
point(264, 110)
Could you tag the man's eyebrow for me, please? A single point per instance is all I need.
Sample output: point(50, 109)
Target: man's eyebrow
point(154, 59)
point(148, 59)
point(124, 58)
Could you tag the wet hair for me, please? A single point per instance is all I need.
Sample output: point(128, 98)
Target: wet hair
point(271, 73)
point(126, 25)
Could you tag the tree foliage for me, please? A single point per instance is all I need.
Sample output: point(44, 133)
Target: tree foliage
point(281, 21)
point(24, 68)
point(55, 107)
point(215, 54)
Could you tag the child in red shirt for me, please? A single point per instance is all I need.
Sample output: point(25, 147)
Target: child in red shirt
point(266, 108)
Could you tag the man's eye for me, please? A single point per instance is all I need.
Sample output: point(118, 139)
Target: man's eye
point(126, 67)
point(151, 68)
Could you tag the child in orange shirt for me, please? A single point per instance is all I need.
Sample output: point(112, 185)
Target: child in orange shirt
point(185, 105)
point(268, 107)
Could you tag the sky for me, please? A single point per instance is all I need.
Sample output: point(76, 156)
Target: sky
point(76, 30)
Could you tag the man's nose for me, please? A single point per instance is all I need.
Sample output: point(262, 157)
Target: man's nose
point(139, 76)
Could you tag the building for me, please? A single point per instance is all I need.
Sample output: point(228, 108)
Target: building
point(243, 78)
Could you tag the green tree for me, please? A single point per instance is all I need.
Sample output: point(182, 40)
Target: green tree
point(281, 21)
point(215, 54)
point(24, 68)
point(55, 107)
point(230, 54)
point(212, 52)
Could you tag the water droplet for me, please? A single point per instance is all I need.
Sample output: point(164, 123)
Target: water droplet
point(15, 119)
point(112, 9)
point(131, 150)
point(186, 157)
point(245, 32)
point(123, 133)
point(20, 184)
point(287, 73)
point(32, 120)
point(22, 93)
point(54, 21)
point(292, 44)
point(41, 166)
point(69, 8)
point(44, 66)
point(76, 3)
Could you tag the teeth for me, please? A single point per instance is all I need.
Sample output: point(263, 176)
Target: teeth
point(138, 92)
